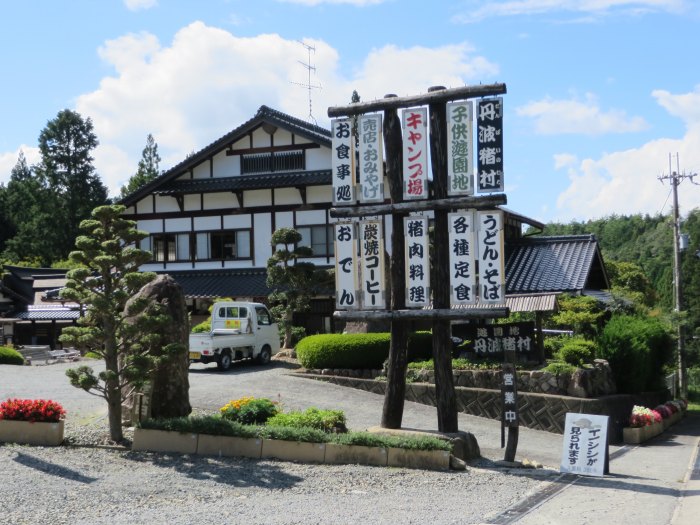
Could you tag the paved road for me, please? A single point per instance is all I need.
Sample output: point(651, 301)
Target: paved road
point(657, 483)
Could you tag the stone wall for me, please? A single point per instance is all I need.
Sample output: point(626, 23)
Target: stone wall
point(538, 411)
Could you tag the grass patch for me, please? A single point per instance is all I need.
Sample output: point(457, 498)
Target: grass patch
point(460, 364)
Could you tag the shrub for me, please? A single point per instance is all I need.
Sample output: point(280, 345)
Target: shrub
point(34, 410)
point(326, 420)
point(559, 368)
point(10, 356)
point(249, 411)
point(460, 363)
point(213, 425)
point(553, 344)
point(368, 439)
point(203, 327)
point(637, 349)
point(576, 351)
point(357, 351)
point(303, 434)
point(92, 355)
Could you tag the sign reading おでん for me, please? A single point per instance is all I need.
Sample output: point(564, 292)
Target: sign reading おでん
point(585, 448)
point(346, 296)
point(342, 161)
point(417, 261)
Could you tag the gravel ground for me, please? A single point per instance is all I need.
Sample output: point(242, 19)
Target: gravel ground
point(87, 482)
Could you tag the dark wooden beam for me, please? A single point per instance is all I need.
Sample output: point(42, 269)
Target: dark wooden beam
point(270, 149)
point(461, 314)
point(180, 198)
point(453, 203)
point(239, 197)
point(434, 97)
point(302, 192)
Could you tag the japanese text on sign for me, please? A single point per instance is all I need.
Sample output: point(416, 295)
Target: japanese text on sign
point(460, 163)
point(372, 264)
point(585, 445)
point(462, 256)
point(342, 161)
point(417, 261)
point(509, 396)
point(346, 296)
point(371, 159)
point(492, 288)
point(415, 153)
point(498, 338)
point(489, 122)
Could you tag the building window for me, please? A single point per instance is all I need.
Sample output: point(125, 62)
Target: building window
point(230, 244)
point(319, 238)
point(271, 162)
point(203, 246)
point(164, 247)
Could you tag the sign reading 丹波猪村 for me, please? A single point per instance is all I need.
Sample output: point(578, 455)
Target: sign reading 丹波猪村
point(342, 161)
point(493, 339)
point(372, 265)
point(417, 261)
point(492, 289)
point(585, 448)
point(371, 159)
point(415, 153)
point(462, 253)
point(460, 157)
point(346, 296)
point(489, 122)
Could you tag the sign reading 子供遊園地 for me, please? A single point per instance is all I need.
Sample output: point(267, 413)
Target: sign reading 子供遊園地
point(585, 448)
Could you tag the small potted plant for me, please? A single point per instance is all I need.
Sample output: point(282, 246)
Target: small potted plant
point(32, 422)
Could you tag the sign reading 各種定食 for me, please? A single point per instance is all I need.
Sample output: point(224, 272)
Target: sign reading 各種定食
point(462, 252)
point(585, 448)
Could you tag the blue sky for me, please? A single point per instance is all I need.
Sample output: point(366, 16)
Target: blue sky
point(599, 91)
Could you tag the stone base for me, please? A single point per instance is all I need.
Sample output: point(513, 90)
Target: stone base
point(229, 446)
point(26, 433)
point(293, 450)
point(164, 441)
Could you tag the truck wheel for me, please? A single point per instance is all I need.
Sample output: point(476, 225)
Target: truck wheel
point(224, 361)
point(265, 355)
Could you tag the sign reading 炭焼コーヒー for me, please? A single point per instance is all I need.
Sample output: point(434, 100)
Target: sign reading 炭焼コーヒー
point(585, 448)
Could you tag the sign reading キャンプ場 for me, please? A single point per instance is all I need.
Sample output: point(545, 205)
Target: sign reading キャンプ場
point(415, 153)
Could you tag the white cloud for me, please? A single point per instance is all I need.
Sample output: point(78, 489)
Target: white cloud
point(555, 117)
point(209, 81)
point(139, 5)
point(9, 159)
point(563, 160)
point(496, 8)
point(626, 182)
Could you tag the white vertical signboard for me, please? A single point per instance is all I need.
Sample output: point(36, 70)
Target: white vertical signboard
point(414, 123)
point(371, 159)
point(342, 161)
point(585, 449)
point(460, 155)
point(462, 254)
point(417, 261)
point(346, 296)
point(492, 275)
point(372, 265)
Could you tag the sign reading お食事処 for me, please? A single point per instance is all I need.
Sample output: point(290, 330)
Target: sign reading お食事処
point(585, 448)
point(342, 161)
point(417, 261)
point(346, 296)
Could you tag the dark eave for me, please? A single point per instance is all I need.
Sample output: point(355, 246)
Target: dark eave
point(264, 115)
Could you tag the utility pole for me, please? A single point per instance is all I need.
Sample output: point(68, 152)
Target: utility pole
point(675, 178)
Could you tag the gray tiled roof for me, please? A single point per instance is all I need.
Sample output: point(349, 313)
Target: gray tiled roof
point(53, 314)
point(554, 264)
point(246, 182)
point(264, 114)
point(222, 283)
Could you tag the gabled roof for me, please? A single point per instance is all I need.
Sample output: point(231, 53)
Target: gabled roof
point(222, 283)
point(25, 282)
point(246, 182)
point(569, 263)
point(264, 115)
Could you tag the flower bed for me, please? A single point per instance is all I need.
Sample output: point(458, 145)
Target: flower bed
point(31, 422)
point(645, 423)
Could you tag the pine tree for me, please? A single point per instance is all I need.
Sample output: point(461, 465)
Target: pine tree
point(148, 168)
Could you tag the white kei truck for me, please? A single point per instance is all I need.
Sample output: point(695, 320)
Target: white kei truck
point(239, 330)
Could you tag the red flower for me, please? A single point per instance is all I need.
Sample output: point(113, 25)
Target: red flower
point(33, 410)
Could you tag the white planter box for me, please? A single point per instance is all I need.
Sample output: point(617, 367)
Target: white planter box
point(164, 441)
point(26, 433)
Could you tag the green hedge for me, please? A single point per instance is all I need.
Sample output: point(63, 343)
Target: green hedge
point(576, 351)
point(637, 349)
point(10, 356)
point(357, 351)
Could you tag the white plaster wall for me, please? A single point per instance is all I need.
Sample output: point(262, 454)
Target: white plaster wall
point(179, 266)
point(262, 223)
point(237, 221)
point(238, 264)
point(315, 194)
point(145, 205)
point(283, 137)
point(207, 265)
point(153, 267)
point(217, 201)
point(201, 171)
point(284, 219)
point(207, 223)
point(177, 225)
point(311, 217)
point(151, 226)
point(166, 204)
point(287, 196)
point(261, 139)
point(257, 198)
point(192, 202)
point(226, 166)
point(318, 158)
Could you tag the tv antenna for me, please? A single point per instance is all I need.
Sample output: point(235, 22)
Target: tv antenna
point(308, 85)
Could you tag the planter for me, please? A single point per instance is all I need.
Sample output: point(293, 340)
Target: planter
point(164, 441)
point(293, 450)
point(26, 433)
point(423, 459)
point(229, 446)
point(356, 455)
point(637, 435)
